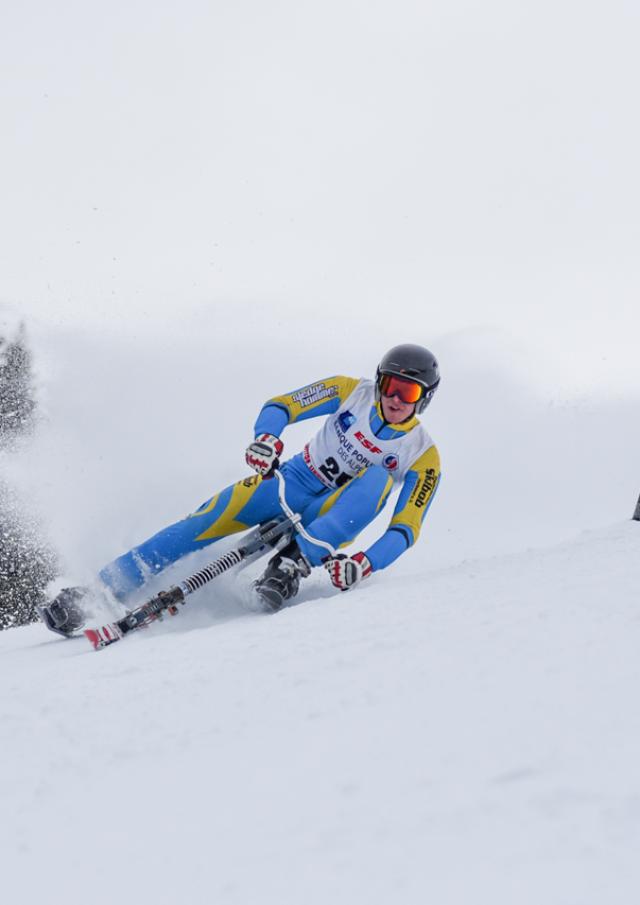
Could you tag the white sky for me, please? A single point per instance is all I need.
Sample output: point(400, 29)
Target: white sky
point(428, 166)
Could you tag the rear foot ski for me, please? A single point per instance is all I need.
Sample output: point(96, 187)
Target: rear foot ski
point(281, 579)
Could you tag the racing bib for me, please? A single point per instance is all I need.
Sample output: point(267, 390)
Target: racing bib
point(347, 443)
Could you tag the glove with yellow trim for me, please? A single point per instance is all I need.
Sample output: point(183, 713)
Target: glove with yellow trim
point(347, 571)
point(263, 455)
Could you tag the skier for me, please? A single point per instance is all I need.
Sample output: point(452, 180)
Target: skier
point(371, 441)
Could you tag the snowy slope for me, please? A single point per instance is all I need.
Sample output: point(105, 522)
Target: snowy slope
point(468, 734)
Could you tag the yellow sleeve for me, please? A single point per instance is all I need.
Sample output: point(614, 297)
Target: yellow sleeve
point(416, 495)
point(320, 398)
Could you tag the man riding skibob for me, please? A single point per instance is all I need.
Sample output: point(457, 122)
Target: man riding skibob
point(371, 441)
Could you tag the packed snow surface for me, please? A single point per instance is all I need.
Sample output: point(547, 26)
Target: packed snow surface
point(467, 734)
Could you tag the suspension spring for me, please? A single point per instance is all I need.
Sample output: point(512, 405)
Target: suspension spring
point(199, 579)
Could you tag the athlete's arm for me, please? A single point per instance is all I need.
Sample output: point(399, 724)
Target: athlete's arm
point(320, 398)
point(418, 490)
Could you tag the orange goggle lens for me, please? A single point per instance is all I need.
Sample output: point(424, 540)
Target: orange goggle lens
point(407, 390)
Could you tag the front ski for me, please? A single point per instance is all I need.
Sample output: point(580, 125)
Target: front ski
point(164, 602)
point(168, 601)
point(101, 637)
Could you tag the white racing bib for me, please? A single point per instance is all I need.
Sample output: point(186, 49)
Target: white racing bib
point(346, 443)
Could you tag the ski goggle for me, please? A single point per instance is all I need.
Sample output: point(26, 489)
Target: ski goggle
point(408, 390)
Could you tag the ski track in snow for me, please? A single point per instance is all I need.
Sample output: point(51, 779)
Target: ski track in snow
point(469, 734)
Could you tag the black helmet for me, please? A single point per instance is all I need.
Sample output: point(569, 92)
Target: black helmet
point(413, 363)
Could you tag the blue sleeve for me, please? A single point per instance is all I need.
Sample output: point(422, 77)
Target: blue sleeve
point(272, 420)
point(323, 397)
point(388, 548)
point(274, 416)
point(419, 488)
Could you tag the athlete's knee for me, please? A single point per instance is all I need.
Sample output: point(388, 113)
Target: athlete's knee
point(376, 483)
point(364, 497)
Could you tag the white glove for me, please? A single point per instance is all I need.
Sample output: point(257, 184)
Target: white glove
point(263, 455)
point(347, 571)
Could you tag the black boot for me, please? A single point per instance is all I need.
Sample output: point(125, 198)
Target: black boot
point(64, 615)
point(281, 579)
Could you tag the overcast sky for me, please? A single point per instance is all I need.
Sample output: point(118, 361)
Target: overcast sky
point(434, 166)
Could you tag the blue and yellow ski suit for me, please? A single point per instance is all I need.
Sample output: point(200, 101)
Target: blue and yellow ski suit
point(339, 483)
